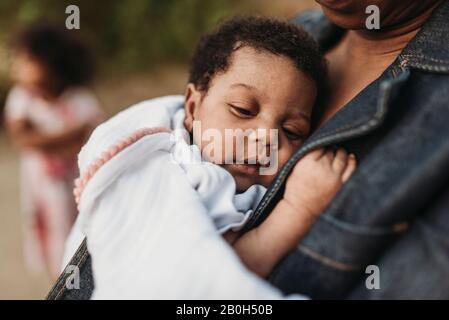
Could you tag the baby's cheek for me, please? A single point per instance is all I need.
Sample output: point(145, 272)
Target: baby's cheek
point(266, 180)
point(283, 156)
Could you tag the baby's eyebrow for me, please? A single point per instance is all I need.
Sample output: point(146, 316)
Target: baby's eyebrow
point(247, 86)
point(305, 116)
point(301, 115)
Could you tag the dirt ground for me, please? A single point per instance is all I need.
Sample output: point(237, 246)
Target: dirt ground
point(15, 281)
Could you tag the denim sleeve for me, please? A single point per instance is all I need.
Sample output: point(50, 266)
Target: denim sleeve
point(417, 265)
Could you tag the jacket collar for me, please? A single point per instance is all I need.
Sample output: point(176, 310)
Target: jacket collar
point(428, 51)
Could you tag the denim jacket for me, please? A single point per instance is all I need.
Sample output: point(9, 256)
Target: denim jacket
point(393, 213)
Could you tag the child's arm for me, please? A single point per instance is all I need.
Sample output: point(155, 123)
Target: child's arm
point(26, 136)
point(315, 180)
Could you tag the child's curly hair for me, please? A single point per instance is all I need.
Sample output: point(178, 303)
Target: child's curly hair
point(66, 59)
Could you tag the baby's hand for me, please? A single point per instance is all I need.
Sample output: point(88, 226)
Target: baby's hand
point(313, 183)
point(317, 178)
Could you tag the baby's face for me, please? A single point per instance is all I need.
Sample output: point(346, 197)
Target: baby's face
point(259, 90)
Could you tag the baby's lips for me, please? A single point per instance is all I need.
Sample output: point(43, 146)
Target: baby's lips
point(261, 161)
point(264, 161)
point(251, 160)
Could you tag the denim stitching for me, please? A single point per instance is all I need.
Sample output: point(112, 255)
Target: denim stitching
point(328, 261)
point(424, 57)
point(426, 67)
point(80, 262)
point(60, 282)
point(363, 230)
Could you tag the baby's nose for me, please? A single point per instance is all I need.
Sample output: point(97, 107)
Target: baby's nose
point(261, 143)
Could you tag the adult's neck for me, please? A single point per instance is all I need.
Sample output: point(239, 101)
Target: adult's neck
point(388, 42)
point(362, 55)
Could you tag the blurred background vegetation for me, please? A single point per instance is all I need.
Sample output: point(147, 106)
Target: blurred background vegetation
point(141, 47)
point(135, 36)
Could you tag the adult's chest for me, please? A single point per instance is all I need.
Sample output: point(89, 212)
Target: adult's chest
point(402, 167)
point(402, 163)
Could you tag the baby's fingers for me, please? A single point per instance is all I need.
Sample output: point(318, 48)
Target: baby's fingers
point(350, 168)
point(340, 161)
point(316, 154)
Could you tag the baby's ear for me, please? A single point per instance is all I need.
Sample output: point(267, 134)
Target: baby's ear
point(192, 99)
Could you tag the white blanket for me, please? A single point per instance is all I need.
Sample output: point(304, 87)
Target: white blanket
point(151, 216)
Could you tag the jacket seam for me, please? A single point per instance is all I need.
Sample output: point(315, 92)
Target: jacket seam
point(393, 229)
point(62, 289)
point(410, 60)
point(328, 261)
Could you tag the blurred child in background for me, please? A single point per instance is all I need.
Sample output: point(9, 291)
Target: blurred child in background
point(49, 114)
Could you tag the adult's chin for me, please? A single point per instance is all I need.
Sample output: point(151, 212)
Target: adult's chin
point(347, 14)
point(347, 6)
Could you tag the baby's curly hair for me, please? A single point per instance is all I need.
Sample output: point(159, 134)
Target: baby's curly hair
point(66, 59)
point(214, 50)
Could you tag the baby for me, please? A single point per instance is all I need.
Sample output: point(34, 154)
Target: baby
point(258, 73)
point(148, 219)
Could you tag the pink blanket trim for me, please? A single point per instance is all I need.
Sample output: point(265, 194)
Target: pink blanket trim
point(107, 155)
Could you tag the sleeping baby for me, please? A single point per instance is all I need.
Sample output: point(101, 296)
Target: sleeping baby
point(167, 185)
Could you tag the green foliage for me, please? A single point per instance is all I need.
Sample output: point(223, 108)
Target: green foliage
point(131, 34)
point(125, 36)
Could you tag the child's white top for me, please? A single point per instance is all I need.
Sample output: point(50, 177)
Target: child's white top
point(151, 218)
point(74, 107)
